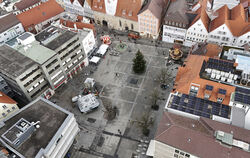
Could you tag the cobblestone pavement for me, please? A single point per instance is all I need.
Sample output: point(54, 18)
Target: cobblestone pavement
point(120, 137)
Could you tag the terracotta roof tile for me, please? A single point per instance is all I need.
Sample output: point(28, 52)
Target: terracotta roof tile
point(40, 13)
point(190, 74)
point(201, 14)
point(79, 25)
point(98, 6)
point(196, 137)
point(155, 7)
point(235, 20)
point(131, 7)
point(5, 99)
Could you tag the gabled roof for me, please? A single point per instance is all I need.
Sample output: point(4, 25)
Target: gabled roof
point(190, 73)
point(155, 7)
point(234, 19)
point(23, 4)
point(79, 25)
point(40, 13)
point(196, 136)
point(7, 22)
point(177, 12)
point(131, 8)
point(98, 6)
point(5, 99)
point(202, 15)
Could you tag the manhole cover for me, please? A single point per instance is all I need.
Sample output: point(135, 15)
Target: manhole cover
point(133, 81)
point(91, 120)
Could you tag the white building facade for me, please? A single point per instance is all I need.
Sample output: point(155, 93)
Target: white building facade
point(10, 29)
point(222, 36)
point(78, 7)
point(172, 34)
point(217, 4)
point(196, 33)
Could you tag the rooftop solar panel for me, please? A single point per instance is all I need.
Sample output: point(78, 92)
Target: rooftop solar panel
point(209, 87)
point(222, 91)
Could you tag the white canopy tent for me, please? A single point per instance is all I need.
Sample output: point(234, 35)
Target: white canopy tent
point(95, 59)
point(102, 49)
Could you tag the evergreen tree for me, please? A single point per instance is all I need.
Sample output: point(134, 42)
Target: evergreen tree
point(139, 64)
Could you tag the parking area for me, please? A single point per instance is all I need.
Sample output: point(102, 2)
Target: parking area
point(118, 86)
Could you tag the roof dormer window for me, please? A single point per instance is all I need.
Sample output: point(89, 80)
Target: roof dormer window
point(123, 12)
point(130, 13)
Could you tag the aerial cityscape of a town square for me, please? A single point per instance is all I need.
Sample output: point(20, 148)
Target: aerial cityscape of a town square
point(124, 78)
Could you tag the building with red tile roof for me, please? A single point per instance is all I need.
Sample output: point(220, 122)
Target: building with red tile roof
point(7, 106)
point(185, 137)
point(230, 25)
point(117, 14)
point(79, 7)
point(199, 27)
point(39, 17)
point(25, 5)
point(150, 17)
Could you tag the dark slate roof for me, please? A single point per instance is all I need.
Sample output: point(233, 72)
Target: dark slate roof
point(7, 22)
point(23, 4)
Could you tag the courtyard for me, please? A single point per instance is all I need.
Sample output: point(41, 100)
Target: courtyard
point(118, 86)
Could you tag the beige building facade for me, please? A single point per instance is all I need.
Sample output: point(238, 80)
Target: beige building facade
point(115, 22)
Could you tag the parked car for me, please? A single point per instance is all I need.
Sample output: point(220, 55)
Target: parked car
point(75, 98)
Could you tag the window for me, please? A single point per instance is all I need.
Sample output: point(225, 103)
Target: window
point(132, 27)
point(13, 108)
point(8, 111)
point(3, 114)
point(5, 34)
point(120, 22)
point(4, 106)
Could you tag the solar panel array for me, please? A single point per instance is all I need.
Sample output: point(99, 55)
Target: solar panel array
point(222, 91)
point(209, 87)
point(221, 65)
point(199, 107)
point(242, 90)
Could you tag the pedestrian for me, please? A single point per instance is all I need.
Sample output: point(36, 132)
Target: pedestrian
point(119, 131)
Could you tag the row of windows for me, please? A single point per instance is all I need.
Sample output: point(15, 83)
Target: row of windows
point(32, 80)
point(68, 45)
point(56, 67)
point(27, 75)
point(195, 39)
point(39, 90)
point(175, 24)
point(197, 34)
point(4, 114)
point(54, 61)
point(70, 51)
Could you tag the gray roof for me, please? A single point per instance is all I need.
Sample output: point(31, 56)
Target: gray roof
point(7, 22)
point(13, 63)
point(51, 118)
point(53, 37)
point(23, 4)
point(177, 12)
point(156, 7)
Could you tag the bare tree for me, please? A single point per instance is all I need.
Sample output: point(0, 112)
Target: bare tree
point(145, 122)
point(164, 76)
point(154, 98)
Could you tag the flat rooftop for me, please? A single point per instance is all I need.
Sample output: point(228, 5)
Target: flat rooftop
point(12, 62)
point(35, 51)
point(53, 37)
point(51, 117)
